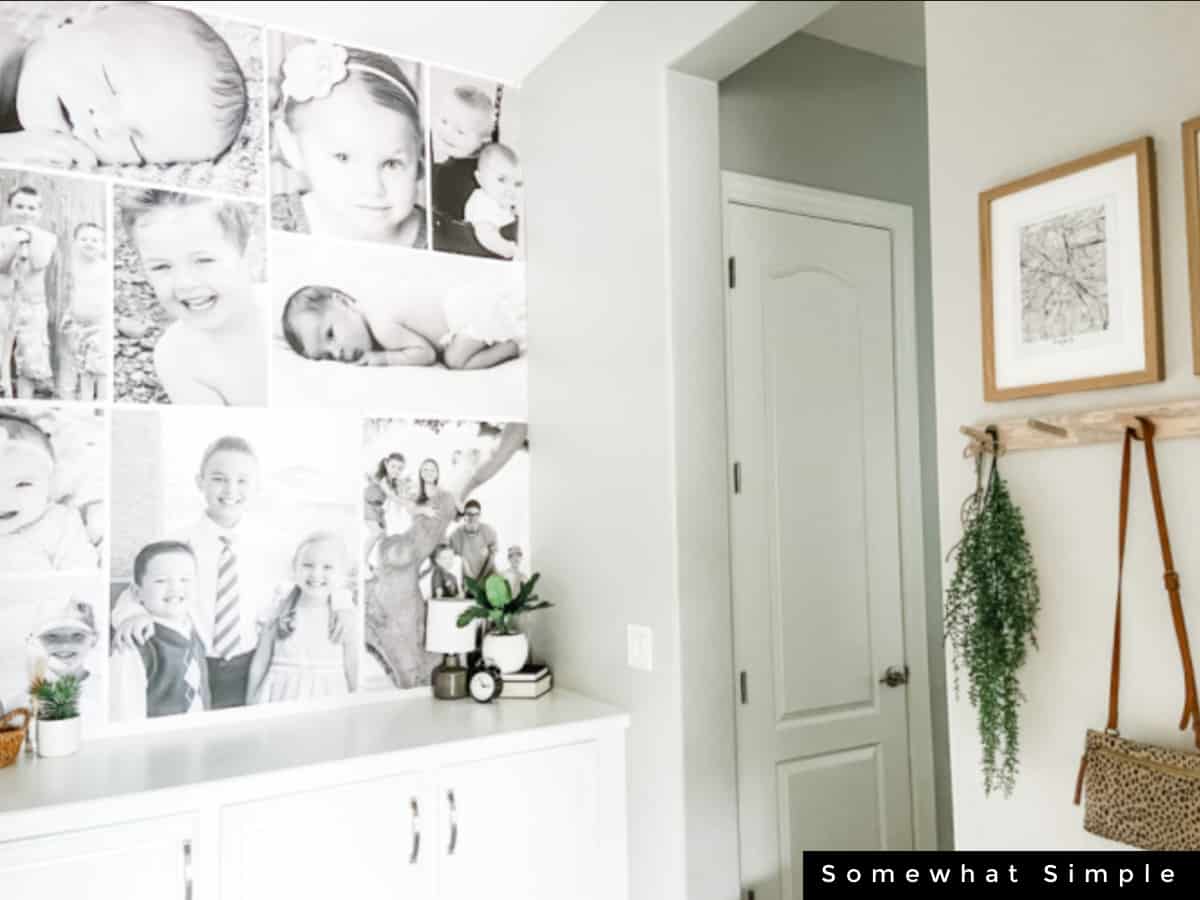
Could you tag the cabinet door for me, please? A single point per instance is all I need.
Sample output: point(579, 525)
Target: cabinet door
point(363, 840)
point(149, 860)
point(519, 827)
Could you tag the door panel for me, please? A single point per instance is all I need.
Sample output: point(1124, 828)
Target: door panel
point(144, 861)
point(822, 745)
point(813, 317)
point(353, 840)
point(520, 827)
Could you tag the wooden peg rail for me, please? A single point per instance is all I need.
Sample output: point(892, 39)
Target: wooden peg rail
point(1171, 418)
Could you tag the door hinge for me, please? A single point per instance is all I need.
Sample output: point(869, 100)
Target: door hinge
point(744, 687)
point(732, 272)
point(737, 477)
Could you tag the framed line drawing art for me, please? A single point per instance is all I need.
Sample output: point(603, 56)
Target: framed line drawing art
point(1070, 277)
point(1191, 186)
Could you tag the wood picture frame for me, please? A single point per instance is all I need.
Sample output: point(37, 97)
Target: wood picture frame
point(1191, 187)
point(1108, 202)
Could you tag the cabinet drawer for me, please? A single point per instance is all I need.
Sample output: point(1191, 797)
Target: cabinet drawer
point(148, 860)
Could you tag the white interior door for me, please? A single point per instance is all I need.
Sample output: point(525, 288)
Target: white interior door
point(370, 839)
point(823, 751)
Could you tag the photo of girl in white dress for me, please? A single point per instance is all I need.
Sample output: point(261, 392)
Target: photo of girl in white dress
point(297, 659)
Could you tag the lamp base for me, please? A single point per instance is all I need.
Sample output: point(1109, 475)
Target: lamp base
point(450, 679)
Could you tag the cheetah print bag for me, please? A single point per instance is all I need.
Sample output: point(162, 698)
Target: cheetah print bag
point(1142, 794)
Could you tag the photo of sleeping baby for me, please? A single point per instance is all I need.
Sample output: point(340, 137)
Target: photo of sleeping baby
point(441, 501)
point(348, 155)
point(50, 628)
point(139, 91)
point(53, 485)
point(234, 574)
point(421, 334)
point(477, 176)
point(55, 288)
point(190, 324)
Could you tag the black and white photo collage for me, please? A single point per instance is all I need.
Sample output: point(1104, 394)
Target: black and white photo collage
point(262, 360)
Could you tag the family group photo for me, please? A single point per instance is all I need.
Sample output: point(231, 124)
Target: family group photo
point(139, 91)
point(442, 501)
point(421, 334)
point(55, 288)
point(190, 323)
point(234, 571)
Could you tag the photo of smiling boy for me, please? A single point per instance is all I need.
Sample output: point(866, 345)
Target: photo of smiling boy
point(195, 253)
point(166, 675)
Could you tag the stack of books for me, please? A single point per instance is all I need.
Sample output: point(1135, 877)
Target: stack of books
point(531, 682)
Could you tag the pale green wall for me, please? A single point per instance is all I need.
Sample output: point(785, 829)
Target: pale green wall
point(817, 113)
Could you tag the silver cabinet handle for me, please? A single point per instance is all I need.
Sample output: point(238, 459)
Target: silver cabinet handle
point(187, 869)
point(416, 832)
point(453, 823)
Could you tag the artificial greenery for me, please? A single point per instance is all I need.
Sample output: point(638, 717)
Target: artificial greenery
point(991, 611)
point(496, 605)
point(57, 699)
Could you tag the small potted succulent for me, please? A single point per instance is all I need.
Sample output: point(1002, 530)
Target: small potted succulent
point(495, 604)
point(59, 725)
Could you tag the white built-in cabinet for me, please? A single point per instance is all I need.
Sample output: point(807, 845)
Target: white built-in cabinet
point(141, 861)
point(532, 813)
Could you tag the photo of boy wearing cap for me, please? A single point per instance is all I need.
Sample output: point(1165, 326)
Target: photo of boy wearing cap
point(52, 627)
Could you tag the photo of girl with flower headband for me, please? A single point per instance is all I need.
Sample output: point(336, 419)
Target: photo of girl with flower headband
point(348, 143)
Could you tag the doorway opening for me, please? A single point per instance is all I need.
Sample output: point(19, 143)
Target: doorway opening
point(839, 714)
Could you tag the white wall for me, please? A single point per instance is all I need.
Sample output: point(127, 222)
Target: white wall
point(1014, 89)
point(627, 405)
point(600, 399)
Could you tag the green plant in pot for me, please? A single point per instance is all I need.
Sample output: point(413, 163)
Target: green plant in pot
point(59, 725)
point(495, 603)
point(991, 616)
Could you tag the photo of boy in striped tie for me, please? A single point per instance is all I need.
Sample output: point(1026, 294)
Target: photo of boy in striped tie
point(233, 591)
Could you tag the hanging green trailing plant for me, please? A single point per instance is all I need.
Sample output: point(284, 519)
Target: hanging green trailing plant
point(991, 611)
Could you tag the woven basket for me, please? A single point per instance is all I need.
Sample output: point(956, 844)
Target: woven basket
point(12, 736)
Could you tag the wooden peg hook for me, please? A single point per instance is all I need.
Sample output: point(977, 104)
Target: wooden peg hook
point(1047, 428)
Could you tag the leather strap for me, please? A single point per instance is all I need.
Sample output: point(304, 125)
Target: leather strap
point(1191, 711)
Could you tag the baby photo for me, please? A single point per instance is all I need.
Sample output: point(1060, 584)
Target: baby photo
point(348, 155)
point(55, 287)
point(477, 176)
point(190, 322)
point(139, 91)
point(53, 480)
point(50, 628)
point(442, 501)
point(420, 334)
point(234, 568)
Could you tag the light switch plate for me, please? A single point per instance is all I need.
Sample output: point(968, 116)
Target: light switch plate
point(641, 648)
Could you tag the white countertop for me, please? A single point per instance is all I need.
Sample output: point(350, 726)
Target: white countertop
point(120, 767)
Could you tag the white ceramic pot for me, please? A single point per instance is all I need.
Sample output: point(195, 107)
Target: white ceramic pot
point(508, 651)
point(60, 737)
